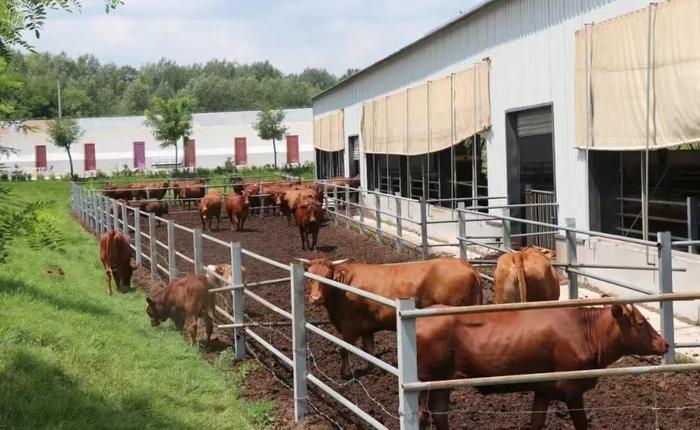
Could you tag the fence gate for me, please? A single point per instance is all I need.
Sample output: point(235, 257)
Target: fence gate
point(546, 214)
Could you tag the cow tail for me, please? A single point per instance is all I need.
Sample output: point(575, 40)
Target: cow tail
point(108, 249)
point(520, 273)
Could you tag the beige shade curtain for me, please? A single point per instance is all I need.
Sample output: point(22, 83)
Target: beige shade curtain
point(329, 132)
point(429, 117)
point(638, 74)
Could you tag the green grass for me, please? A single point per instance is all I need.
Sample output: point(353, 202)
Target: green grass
point(71, 357)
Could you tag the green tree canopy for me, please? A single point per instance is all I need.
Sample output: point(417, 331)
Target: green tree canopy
point(171, 120)
point(64, 132)
point(270, 127)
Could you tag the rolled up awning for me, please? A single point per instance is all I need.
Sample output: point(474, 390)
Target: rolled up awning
point(429, 117)
point(329, 132)
point(639, 66)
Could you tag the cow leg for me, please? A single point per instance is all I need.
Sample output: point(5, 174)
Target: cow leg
point(368, 344)
point(438, 404)
point(303, 238)
point(230, 220)
point(344, 358)
point(209, 326)
point(539, 412)
point(204, 226)
point(108, 278)
point(576, 411)
point(192, 329)
point(314, 237)
point(218, 221)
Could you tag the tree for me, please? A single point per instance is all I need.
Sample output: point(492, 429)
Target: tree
point(348, 73)
point(64, 132)
point(269, 127)
point(171, 120)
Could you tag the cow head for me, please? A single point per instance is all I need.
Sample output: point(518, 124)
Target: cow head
point(122, 276)
point(637, 336)
point(324, 268)
point(223, 270)
point(246, 197)
point(279, 197)
point(156, 308)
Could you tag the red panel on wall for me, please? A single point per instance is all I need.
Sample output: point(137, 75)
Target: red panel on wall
point(190, 154)
point(40, 157)
point(90, 161)
point(139, 155)
point(292, 149)
point(240, 151)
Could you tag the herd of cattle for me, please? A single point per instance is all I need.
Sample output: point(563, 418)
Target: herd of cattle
point(301, 201)
point(472, 345)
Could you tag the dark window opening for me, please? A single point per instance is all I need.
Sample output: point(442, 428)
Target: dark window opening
point(329, 164)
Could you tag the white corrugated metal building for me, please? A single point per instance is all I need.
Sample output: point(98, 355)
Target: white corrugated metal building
point(112, 143)
point(567, 95)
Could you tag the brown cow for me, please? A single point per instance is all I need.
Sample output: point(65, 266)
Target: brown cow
point(448, 281)
point(525, 276)
point(115, 254)
point(210, 208)
point(118, 191)
point(191, 192)
point(156, 191)
point(223, 270)
point(309, 217)
point(237, 207)
point(184, 300)
point(290, 199)
point(155, 207)
point(531, 341)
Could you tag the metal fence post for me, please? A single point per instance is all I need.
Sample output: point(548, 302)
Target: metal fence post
point(115, 216)
point(571, 258)
point(361, 203)
point(153, 245)
point(325, 196)
point(507, 241)
point(399, 224)
point(424, 227)
point(125, 221)
point(347, 206)
point(197, 244)
point(299, 340)
point(172, 264)
point(378, 215)
point(237, 300)
point(408, 364)
point(462, 231)
point(137, 234)
point(692, 206)
point(335, 204)
point(665, 266)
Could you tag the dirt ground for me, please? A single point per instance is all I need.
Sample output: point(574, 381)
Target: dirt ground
point(640, 402)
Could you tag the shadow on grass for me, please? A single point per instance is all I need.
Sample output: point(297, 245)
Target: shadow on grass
point(37, 394)
point(14, 286)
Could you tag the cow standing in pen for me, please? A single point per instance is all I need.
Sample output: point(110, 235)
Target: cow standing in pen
point(210, 208)
point(525, 276)
point(237, 209)
point(529, 341)
point(115, 254)
point(309, 217)
point(448, 281)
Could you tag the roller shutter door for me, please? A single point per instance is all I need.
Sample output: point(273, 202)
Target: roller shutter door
point(535, 122)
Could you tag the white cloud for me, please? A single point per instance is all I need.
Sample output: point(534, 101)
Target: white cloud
point(290, 34)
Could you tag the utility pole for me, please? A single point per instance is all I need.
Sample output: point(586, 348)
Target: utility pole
point(58, 86)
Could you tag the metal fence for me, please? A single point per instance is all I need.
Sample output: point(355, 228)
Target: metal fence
point(100, 214)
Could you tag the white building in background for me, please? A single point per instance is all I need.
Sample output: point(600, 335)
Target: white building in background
point(111, 143)
point(565, 98)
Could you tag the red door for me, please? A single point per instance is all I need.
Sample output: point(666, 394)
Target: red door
point(292, 149)
point(190, 154)
point(90, 161)
point(240, 151)
point(139, 155)
point(40, 156)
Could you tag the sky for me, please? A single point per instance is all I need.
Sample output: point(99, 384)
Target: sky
point(291, 34)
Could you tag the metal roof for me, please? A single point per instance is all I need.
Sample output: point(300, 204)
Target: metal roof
point(476, 8)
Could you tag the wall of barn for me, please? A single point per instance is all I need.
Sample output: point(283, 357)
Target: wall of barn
point(213, 133)
point(531, 45)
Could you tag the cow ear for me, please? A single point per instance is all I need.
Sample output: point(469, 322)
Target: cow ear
point(617, 311)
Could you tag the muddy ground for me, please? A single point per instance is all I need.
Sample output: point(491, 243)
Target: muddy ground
point(640, 402)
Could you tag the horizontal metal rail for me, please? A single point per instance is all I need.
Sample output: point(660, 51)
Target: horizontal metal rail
point(610, 281)
point(550, 304)
point(550, 376)
point(653, 202)
point(473, 242)
point(220, 278)
point(161, 244)
point(224, 313)
point(345, 402)
point(286, 360)
point(216, 240)
point(183, 228)
point(462, 199)
point(362, 293)
point(162, 269)
point(352, 348)
point(561, 227)
point(536, 233)
point(686, 242)
point(485, 276)
point(163, 220)
point(265, 259)
point(146, 256)
point(518, 205)
point(267, 304)
point(146, 235)
point(687, 345)
point(184, 257)
point(250, 284)
point(437, 245)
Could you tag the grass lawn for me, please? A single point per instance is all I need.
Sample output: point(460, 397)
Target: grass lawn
point(72, 357)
